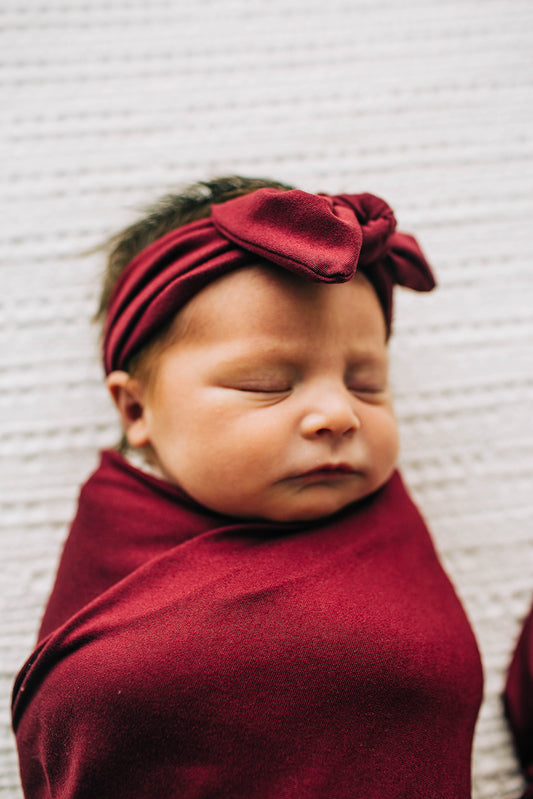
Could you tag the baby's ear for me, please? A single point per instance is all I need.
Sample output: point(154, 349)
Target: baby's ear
point(127, 395)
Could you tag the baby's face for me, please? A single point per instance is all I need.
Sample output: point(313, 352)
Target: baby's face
point(274, 403)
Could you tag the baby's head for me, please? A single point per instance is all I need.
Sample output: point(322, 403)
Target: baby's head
point(259, 384)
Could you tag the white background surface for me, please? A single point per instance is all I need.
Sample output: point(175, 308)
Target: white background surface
point(428, 103)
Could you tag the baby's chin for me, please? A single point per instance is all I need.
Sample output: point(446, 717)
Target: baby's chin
point(312, 512)
point(320, 505)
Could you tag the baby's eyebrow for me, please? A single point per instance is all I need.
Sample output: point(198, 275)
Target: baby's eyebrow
point(368, 358)
point(257, 362)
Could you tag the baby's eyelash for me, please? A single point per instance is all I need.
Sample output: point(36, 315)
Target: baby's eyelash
point(367, 389)
point(370, 395)
point(264, 389)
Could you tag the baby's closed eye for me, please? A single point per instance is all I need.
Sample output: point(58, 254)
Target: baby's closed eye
point(370, 385)
point(260, 381)
point(264, 386)
point(370, 395)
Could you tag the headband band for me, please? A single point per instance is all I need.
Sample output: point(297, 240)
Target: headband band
point(319, 237)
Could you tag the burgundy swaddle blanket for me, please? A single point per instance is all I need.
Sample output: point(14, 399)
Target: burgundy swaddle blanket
point(519, 700)
point(188, 654)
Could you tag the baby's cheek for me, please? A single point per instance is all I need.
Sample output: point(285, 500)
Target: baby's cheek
point(394, 438)
point(387, 442)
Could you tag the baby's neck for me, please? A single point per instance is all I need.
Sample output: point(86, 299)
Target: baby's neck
point(140, 459)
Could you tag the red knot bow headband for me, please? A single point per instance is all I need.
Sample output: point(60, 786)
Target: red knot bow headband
point(317, 236)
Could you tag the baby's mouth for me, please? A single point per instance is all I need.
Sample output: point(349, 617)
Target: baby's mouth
point(328, 471)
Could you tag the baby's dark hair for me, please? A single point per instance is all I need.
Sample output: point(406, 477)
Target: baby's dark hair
point(171, 211)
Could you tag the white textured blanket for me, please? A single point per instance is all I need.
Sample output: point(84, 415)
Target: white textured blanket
point(429, 103)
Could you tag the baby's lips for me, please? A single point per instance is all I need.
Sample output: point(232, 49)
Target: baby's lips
point(326, 468)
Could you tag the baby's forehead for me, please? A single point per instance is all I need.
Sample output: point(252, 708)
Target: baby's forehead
point(257, 283)
point(264, 298)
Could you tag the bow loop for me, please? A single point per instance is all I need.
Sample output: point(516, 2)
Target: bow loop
point(293, 229)
point(407, 265)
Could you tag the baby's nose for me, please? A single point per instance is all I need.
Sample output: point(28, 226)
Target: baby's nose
point(333, 414)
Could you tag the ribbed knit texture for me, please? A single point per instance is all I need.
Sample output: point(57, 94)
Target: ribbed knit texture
point(107, 105)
